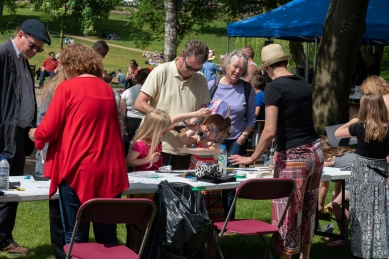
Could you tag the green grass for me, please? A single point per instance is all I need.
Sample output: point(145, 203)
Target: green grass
point(32, 231)
point(119, 58)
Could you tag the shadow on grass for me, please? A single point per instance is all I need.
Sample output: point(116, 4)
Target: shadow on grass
point(247, 247)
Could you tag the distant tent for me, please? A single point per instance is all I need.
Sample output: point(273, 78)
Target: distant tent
point(303, 20)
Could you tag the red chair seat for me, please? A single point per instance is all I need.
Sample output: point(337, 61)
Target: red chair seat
point(248, 227)
point(101, 251)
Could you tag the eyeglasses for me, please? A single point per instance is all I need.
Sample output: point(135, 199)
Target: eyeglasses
point(32, 46)
point(241, 54)
point(189, 68)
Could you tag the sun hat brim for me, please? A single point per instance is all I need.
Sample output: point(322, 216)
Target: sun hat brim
point(276, 60)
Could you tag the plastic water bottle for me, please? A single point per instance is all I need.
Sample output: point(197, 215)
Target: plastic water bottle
point(4, 174)
point(222, 158)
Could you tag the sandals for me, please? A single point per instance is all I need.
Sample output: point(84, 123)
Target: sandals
point(328, 209)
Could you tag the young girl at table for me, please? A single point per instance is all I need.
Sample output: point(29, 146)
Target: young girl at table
point(368, 190)
point(146, 148)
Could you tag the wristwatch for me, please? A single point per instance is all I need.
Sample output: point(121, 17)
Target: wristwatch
point(244, 135)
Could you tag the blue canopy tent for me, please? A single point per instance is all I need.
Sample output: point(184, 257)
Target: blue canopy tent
point(303, 20)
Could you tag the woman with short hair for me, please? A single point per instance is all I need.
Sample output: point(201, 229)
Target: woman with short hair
point(85, 158)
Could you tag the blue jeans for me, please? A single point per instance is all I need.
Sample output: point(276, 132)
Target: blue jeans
point(69, 205)
point(43, 75)
point(233, 148)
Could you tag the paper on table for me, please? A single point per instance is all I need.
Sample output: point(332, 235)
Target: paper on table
point(145, 175)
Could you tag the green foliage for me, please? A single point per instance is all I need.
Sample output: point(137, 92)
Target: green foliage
point(147, 21)
point(80, 12)
point(21, 5)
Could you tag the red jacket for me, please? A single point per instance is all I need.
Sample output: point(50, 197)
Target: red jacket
point(86, 146)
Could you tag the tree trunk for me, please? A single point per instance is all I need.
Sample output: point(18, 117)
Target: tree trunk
point(170, 44)
point(341, 40)
point(297, 51)
point(1, 7)
point(62, 31)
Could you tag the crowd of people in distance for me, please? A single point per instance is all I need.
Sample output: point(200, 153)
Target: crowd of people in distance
point(179, 114)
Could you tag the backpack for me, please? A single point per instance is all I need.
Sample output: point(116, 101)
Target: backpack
point(247, 89)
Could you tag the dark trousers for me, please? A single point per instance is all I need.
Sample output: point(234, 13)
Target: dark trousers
point(57, 234)
point(177, 162)
point(69, 205)
point(233, 148)
point(132, 125)
point(43, 75)
point(8, 209)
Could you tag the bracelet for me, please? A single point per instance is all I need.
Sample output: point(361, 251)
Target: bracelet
point(244, 135)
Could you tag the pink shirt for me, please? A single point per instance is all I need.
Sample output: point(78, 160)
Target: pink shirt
point(143, 149)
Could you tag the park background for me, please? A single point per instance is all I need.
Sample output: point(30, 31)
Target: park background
point(32, 228)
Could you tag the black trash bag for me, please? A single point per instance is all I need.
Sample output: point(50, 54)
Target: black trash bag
point(182, 224)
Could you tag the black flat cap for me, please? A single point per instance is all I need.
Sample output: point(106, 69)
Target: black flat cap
point(36, 29)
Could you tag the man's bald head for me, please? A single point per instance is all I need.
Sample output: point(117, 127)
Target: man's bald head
point(101, 47)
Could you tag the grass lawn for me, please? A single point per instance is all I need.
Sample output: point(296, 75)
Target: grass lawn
point(32, 231)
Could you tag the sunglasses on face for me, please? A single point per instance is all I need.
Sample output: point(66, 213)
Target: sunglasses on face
point(241, 54)
point(32, 46)
point(189, 68)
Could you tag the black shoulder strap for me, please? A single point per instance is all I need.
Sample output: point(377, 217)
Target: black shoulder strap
point(247, 89)
point(213, 89)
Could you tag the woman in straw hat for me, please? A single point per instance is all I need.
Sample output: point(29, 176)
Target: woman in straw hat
point(290, 117)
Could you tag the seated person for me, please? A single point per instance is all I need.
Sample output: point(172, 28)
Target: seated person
point(121, 77)
point(340, 157)
point(49, 68)
point(106, 77)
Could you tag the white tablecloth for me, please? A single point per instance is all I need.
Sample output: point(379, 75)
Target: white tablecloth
point(38, 190)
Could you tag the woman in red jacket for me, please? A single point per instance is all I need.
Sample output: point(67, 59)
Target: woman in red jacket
point(85, 158)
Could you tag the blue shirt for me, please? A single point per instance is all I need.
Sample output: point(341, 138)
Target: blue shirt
point(209, 70)
point(260, 101)
point(121, 78)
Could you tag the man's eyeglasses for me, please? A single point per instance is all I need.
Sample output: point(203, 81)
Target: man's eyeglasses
point(241, 54)
point(32, 46)
point(189, 68)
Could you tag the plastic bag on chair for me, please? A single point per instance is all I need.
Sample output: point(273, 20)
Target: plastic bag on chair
point(182, 224)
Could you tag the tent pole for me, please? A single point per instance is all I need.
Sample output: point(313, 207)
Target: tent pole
point(307, 61)
point(228, 44)
point(314, 61)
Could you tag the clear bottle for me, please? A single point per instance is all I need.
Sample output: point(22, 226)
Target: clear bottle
point(4, 174)
point(222, 158)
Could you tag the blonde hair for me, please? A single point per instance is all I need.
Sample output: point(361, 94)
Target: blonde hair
point(50, 87)
point(79, 59)
point(374, 114)
point(151, 129)
point(375, 84)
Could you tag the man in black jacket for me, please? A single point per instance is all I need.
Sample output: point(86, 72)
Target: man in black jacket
point(17, 113)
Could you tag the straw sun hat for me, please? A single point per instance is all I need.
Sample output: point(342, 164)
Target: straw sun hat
point(272, 54)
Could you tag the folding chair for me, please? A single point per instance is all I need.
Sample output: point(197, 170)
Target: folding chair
point(111, 211)
point(256, 189)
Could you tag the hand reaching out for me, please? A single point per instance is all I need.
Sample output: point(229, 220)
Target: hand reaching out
point(203, 112)
point(31, 134)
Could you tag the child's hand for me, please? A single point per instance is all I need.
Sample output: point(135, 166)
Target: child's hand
point(184, 149)
point(203, 112)
point(155, 157)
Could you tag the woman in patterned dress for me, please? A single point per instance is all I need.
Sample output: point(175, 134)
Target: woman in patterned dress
point(290, 117)
point(368, 190)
